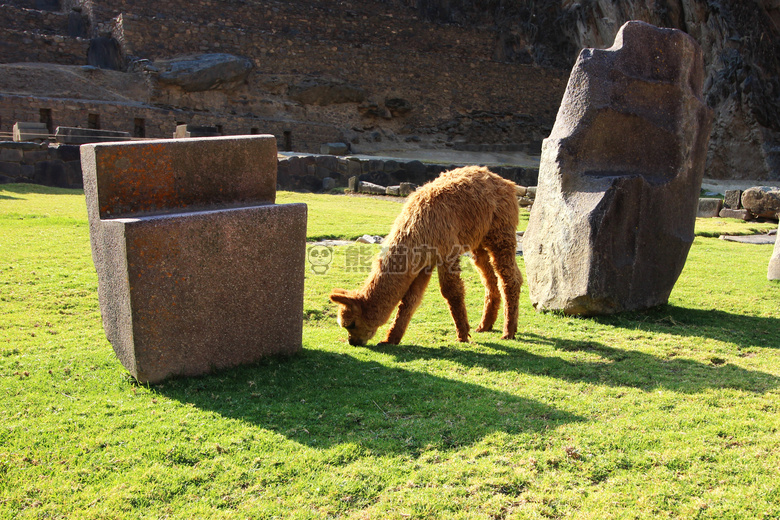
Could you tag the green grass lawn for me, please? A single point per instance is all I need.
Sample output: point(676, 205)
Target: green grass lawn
point(669, 413)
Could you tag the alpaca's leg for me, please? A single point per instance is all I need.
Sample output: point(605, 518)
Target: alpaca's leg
point(502, 249)
point(492, 294)
point(453, 291)
point(409, 304)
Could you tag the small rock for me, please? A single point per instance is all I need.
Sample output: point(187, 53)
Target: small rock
point(328, 183)
point(393, 190)
point(370, 239)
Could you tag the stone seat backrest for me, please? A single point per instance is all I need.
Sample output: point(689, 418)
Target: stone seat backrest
point(144, 178)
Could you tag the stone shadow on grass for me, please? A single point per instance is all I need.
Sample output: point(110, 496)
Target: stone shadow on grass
point(743, 331)
point(321, 399)
point(26, 188)
point(616, 367)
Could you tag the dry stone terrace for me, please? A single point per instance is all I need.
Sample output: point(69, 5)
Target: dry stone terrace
point(323, 44)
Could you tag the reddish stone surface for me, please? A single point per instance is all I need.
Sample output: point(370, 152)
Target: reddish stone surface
point(190, 291)
point(148, 177)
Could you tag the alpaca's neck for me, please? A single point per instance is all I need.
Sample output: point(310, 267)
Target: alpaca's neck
point(383, 290)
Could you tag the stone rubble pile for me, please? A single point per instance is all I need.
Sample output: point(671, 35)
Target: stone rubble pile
point(756, 202)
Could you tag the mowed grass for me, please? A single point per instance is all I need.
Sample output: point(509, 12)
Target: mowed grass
point(669, 413)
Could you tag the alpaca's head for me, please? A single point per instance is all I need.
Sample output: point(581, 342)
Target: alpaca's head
point(350, 316)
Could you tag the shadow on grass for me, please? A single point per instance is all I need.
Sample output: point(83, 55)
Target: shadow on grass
point(24, 188)
point(321, 399)
point(616, 368)
point(744, 331)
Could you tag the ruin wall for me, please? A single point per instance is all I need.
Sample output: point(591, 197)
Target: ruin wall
point(157, 122)
point(29, 47)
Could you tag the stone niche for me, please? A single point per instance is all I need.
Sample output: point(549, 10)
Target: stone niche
point(620, 176)
point(197, 268)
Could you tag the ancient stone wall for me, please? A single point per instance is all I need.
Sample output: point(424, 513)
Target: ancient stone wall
point(146, 121)
point(24, 19)
point(443, 76)
point(58, 166)
point(25, 46)
point(307, 172)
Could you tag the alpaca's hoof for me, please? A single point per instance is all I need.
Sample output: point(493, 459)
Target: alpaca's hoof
point(508, 336)
point(484, 329)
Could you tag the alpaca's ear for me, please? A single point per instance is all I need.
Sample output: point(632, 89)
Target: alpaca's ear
point(343, 297)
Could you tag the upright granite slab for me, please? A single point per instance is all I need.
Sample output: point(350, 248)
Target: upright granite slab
point(773, 271)
point(198, 269)
point(620, 176)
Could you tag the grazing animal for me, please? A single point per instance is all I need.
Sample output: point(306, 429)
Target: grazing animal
point(466, 209)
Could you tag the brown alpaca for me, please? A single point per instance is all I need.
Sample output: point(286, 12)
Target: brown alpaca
point(467, 209)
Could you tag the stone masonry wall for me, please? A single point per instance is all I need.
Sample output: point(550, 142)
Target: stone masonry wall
point(58, 166)
point(25, 46)
point(158, 122)
point(447, 74)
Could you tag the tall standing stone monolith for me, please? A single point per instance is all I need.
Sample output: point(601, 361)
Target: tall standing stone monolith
point(620, 176)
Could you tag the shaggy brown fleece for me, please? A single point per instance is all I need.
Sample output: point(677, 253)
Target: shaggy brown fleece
point(466, 209)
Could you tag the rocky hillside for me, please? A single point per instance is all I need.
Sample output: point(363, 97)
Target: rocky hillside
point(740, 39)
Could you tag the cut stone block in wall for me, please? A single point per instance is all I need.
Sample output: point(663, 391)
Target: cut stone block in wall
point(198, 269)
point(79, 136)
point(30, 132)
point(620, 176)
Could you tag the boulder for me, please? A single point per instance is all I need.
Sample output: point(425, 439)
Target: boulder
point(762, 201)
point(620, 176)
point(199, 72)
